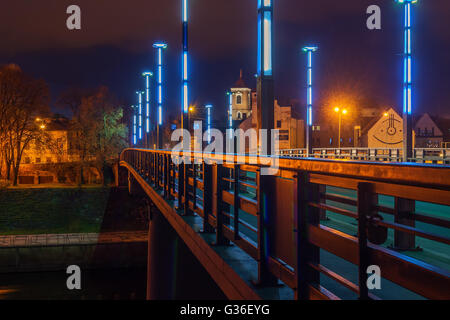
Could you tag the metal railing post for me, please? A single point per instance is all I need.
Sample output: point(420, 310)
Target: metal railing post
point(236, 201)
point(365, 209)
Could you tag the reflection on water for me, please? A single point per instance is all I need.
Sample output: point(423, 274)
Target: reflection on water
point(108, 284)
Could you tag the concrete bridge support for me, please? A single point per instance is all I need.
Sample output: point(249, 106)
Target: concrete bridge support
point(173, 272)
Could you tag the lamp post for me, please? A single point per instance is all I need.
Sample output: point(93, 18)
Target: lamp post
point(340, 113)
point(159, 46)
point(407, 81)
point(147, 76)
point(185, 80)
point(309, 118)
point(265, 120)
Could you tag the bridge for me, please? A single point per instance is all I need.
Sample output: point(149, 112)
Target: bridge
point(310, 231)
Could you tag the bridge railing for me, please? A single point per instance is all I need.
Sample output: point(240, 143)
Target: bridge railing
point(420, 155)
point(322, 223)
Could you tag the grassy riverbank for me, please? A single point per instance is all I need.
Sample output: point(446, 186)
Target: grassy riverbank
point(52, 210)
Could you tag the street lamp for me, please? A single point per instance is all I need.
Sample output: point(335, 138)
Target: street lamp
point(340, 112)
point(407, 81)
point(159, 46)
point(309, 51)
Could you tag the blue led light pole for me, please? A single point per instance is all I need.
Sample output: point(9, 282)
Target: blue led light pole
point(134, 125)
point(147, 76)
point(185, 90)
point(309, 108)
point(140, 120)
point(208, 119)
point(265, 120)
point(159, 46)
point(265, 73)
point(407, 81)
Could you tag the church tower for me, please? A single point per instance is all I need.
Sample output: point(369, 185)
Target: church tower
point(241, 100)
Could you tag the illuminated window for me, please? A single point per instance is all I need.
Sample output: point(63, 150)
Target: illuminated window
point(239, 99)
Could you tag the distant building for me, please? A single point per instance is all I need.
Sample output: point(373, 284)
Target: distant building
point(241, 100)
point(286, 120)
point(432, 132)
point(55, 145)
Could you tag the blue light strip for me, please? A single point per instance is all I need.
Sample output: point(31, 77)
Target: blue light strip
point(309, 116)
point(185, 57)
point(147, 102)
point(407, 78)
point(139, 93)
point(159, 46)
point(134, 125)
point(265, 14)
point(230, 112)
point(208, 108)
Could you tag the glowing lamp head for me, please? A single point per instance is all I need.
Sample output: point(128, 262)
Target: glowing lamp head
point(147, 73)
point(191, 109)
point(159, 45)
point(208, 106)
point(345, 111)
point(406, 1)
point(386, 114)
point(310, 48)
point(336, 109)
point(42, 126)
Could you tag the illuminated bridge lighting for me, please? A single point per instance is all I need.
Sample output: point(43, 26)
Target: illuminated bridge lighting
point(139, 94)
point(134, 125)
point(265, 14)
point(147, 76)
point(209, 108)
point(407, 72)
point(185, 90)
point(159, 47)
point(309, 51)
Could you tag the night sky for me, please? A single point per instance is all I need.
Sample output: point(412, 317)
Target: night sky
point(353, 65)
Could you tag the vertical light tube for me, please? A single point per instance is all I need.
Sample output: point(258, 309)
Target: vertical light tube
point(139, 93)
point(159, 60)
point(134, 125)
point(147, 76)
point(309, 92)
point(407, 81)
point(208, 109)
point(265, 14)
point(185, 90)
point(230, 110)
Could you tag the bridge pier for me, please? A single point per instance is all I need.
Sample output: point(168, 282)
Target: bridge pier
point(173, 272)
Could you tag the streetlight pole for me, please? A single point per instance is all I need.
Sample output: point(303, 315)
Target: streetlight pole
point(309, 51)
point(340, 113)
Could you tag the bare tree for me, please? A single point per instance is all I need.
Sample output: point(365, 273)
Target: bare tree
point(22, 98)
